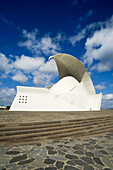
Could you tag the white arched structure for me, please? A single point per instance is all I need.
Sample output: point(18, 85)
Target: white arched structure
point(73, 92)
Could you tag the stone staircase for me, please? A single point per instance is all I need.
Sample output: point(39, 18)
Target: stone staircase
point(27, 133)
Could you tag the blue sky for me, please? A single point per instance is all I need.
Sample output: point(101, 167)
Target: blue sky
point(33, 30)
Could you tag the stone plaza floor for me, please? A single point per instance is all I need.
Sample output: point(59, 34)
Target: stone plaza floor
point(83, 153)
point(88, 153)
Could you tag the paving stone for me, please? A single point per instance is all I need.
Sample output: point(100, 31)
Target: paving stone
point(79, 167)
point(67, 146)
point(39, 164)
point(66, 142)
point(92, 141)
point(80, 162)
point(4, 159)
point(107, 162)
point(71, 144)
point(86, 144)
point(12, 167)
point(88, 168)
point(51, 152)
point(70, 163)
point(29, 167)
point(33, 153)
point(59, 164)
point(71, 140)
point(18, 148)
point(98, 161)
point(38, 158)
point(70, 168)
point(77, 148)
point(80, 145)
point(49, 161)
point(26, 161)
point(88, 160)
point(26, 147)
point(61, 152)
point(71, 156)
point(39, 169)
point(98, 147)
point(60, 146)
point(58, 158)
point(43, 152)
point(34, 147)
point(70, 152)
point(18, 158)
point(79, 152)
point(98, 154)
point(23, 167)
point(90, 147)
point(2, 167)
point(38, 144)
point(89, 154)
point(110, 149)
point(12, 152)
point(49, 147)
point(51, 168)
point(104, 152)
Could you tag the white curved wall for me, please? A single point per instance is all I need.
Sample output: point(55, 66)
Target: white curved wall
point(65, 85)
point(76, 97)
point(70, 93)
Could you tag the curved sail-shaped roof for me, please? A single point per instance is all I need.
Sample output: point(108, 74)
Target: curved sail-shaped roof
point(71, 66)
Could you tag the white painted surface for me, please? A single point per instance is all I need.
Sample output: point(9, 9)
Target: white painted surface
point(68, 94)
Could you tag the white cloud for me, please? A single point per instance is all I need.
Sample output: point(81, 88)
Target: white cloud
point(24, 68)
point(49, 67)
point(5, 65)
point(82, 33)
point(42, 79)
point(99, 48)
point(108, 97)
point(30, 35)
point(78, 37)
point(44, 45)
point(6, 95)
point(107, 101)
point(20, 77)
point(100, 86)
point(46, 74)
point(28, 64)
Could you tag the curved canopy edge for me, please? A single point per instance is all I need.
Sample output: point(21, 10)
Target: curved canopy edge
point(70, 66)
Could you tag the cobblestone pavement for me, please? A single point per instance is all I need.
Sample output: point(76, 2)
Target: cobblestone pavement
point(89, 153)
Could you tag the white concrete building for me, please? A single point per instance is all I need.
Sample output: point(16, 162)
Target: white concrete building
point(73, 92)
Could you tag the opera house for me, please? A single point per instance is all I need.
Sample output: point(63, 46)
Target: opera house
point(73, 92)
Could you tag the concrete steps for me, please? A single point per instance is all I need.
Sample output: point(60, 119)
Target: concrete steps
point(25, 133)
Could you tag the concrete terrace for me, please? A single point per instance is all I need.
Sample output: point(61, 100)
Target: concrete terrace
point(25, 116)
point(86, 145)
